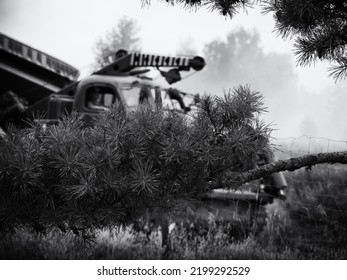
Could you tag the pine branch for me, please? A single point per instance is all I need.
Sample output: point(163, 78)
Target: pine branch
point(233, 180)
point(227, 7)
point(320, 28)
point(323, 43)
point(224, 7)
point(338, 72)
point(113, 172)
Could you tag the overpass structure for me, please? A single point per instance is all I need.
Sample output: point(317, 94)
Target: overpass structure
point(31, 73)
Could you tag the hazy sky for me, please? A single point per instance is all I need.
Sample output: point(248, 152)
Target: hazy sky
point(68, 29)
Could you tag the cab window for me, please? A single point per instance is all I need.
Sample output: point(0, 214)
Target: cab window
point(100, 97)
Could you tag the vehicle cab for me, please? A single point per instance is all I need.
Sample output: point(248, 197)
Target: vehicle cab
point(98, 92)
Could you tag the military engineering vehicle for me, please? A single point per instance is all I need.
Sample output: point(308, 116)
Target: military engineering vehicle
point(33, 81)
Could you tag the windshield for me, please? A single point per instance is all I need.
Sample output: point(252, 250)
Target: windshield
point(135, 95)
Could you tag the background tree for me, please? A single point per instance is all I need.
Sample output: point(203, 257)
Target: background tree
point(238, 58)
point(319, 27)
point(124, 36)
point(186, 47)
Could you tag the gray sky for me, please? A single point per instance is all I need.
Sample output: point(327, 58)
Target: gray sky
point(68, 29)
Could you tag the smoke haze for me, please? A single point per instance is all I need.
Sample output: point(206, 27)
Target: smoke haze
point(293, 110)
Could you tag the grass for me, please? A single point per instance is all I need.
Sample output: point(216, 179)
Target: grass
point(311, 224)
point(317, 209)
point(125, 245)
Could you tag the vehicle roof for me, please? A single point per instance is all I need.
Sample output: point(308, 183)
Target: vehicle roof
point(120, 79)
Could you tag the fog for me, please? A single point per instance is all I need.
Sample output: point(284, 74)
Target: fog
point(234, 55)
point(293, 110)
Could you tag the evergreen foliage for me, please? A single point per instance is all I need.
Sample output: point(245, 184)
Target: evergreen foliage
point(83, 178)
point(224, 7)
point(319, 27)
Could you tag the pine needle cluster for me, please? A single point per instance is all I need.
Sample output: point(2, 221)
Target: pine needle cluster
point(81, 178)
point(224, 7)
point(319, 27)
